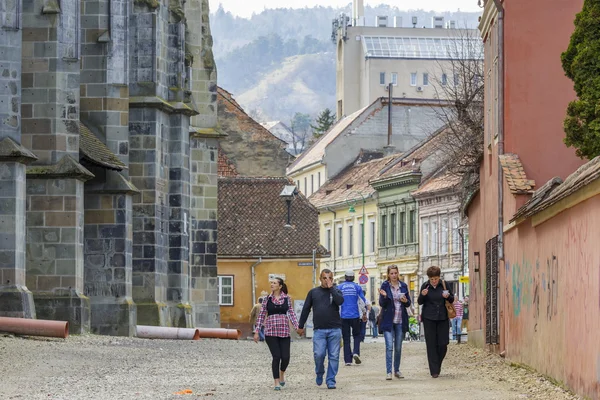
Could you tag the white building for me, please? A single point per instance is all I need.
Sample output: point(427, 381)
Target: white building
point(373, 54)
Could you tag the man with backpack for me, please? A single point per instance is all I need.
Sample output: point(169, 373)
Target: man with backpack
point(351, 317)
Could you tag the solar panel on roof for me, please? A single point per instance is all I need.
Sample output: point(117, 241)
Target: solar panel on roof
point(421, 47)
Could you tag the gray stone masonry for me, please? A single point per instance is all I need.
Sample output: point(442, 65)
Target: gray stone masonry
point(15, 299)
point(108, 257)
point(204, 231)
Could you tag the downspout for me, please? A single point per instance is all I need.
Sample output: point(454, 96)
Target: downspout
point(333, 237)
point(254, 279)
point(500, 8)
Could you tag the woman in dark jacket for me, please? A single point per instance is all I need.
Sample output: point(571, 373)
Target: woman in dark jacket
point(393, 299)
point(435, 319)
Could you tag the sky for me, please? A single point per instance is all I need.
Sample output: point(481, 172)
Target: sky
point(245, 8)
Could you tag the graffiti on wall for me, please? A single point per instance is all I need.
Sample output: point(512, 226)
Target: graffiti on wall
point(528, 283)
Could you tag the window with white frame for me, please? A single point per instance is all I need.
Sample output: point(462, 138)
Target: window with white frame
point(305, 188)
point(382, 78)
point(225, 290)
point(373, 237)
point(393, 230)
point(318, 180)
point(362, 237)
point(433, 238)
point(413, 79)
point(444, 238)
point(456, 79)
point(425, 79)
point(444, 79)
point(412, 234)
point(455, 235)
point(394, 78)
point(328, 239)
point(402, 227)
point(384, 227)
point(312, 184)
point(425, 238)
point(340, 249)
point(350, 240)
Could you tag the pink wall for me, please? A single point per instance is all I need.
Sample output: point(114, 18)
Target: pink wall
point(537, 91)
point(552, 292)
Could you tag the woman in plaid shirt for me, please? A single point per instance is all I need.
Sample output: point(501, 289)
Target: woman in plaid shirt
point(275, 312)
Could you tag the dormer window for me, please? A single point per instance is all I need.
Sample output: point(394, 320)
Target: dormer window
point(349, 185)
point(328, 192)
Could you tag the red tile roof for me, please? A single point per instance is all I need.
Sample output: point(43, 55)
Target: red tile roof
point(225, 167)
point(515, 174)
point(352, 182)
point(555, 190)
point(252, 219)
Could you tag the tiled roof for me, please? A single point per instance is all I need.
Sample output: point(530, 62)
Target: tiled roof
point(515, 174)
point(315, 152)
point(411, 160)
point(96, 152)
point(554, 190)
point(252, 219)
point(352, 180)
point(224, 166)
point(437, 183)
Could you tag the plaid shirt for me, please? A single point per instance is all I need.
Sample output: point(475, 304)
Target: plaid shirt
point(397, 305)
point(277, 325)
point(459, 309)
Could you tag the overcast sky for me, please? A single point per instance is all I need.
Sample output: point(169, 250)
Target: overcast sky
point(245, 8)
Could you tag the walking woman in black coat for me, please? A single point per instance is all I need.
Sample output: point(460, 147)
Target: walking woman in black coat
point(435, 319)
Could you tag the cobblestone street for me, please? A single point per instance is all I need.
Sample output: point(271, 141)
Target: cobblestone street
point(95, 367)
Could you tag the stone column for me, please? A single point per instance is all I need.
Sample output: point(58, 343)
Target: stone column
point(108, 254)
point(15, 299)
point(203, 154)
point(51, 63)
point(178, 294)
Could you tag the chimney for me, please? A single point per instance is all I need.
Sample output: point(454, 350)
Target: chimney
point(358, 12)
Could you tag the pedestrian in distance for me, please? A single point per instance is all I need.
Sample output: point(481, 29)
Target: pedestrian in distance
point(325, 301)
point(351, 317)
point(394, 299)
point(253, 316)
point(434, 315)
point(275, 313)
point(457, 321)
point(373, 319)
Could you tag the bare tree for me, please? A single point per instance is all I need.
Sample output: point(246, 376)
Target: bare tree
point(459, 84)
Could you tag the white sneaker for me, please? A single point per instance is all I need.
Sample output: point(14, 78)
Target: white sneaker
point(357, 359)
point(399, 375)
point(348, 364)
point(388, 377)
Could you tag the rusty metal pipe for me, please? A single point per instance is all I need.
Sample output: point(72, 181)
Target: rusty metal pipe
point(220, 333)
point(34, 327)
point(162, 332)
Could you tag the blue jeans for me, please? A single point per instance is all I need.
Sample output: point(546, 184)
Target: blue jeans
point(374, 329)
point(327, 341)
point(393, 344)
point(456, 327)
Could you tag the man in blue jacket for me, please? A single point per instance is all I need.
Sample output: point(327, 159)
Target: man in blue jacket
point(351, 317)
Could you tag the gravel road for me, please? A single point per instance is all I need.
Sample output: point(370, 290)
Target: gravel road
point(99, 367)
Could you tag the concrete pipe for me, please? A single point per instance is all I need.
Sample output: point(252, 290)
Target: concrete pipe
point(220, 333)
point(162, 332)
point(34, 327)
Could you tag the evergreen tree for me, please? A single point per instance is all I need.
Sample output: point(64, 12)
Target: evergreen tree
point(581, 63)
point(324, 121)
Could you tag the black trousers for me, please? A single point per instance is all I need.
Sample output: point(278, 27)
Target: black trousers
point(354, 325)
point(436, 340)
point(280, 350)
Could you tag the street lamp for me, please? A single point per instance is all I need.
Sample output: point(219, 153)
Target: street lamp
point(351, 203)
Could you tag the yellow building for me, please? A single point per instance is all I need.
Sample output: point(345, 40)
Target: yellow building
point(348, 220)
point(257, 242)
